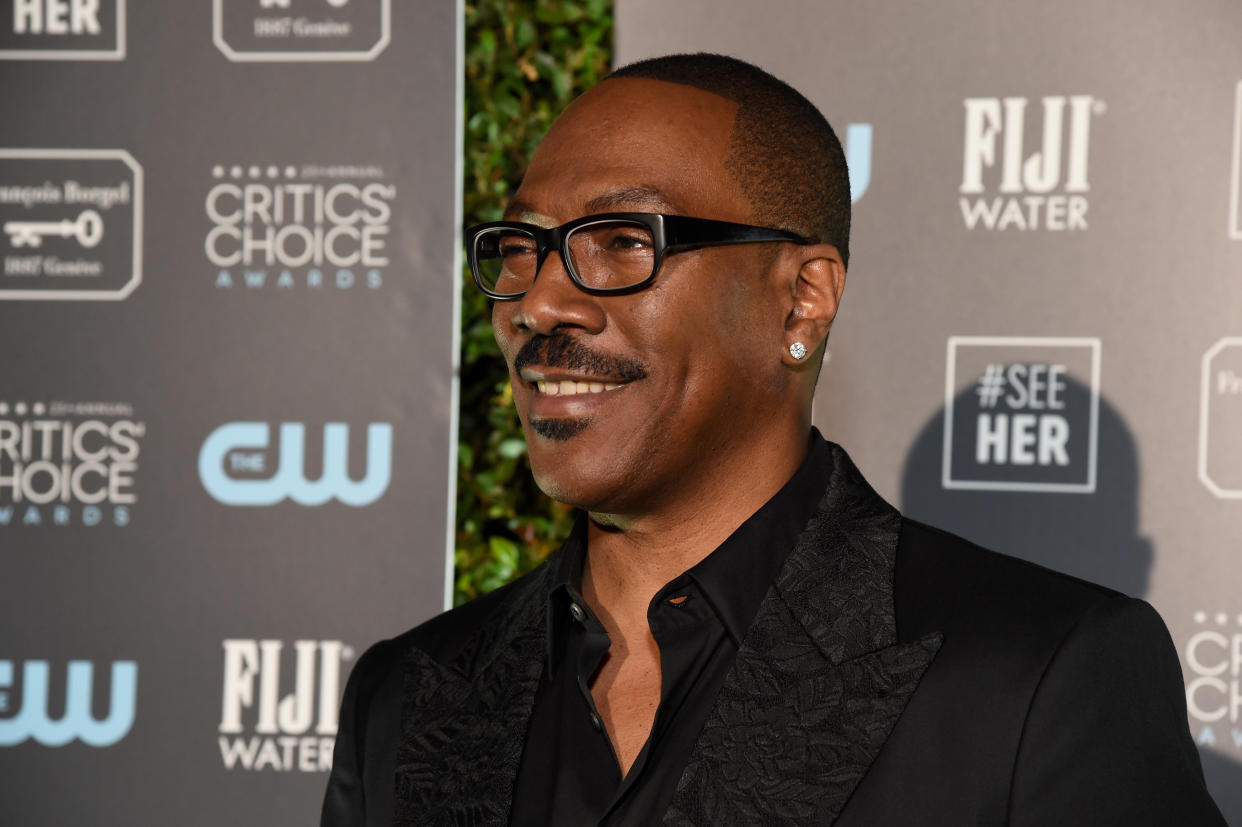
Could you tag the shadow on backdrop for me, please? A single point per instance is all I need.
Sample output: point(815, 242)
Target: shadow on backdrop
point(1094, 536)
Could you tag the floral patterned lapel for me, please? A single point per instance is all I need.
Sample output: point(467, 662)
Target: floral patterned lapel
point(819, 680)
point(464, 724)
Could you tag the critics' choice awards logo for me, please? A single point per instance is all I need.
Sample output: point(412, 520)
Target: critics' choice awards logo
point(1021, 414)
point(312, 227)
point(262, 729)
point(303, 31)
point(1220, 419)
point(1006, 187)
point(30, 716)
point(237, 465)
point(70, 224)
point(68, 463)
point(1213, 657)
point(62, 30)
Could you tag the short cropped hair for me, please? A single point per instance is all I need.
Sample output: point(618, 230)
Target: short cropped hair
point(782, 150)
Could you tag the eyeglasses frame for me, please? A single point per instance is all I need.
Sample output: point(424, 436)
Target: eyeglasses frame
point(669, 233)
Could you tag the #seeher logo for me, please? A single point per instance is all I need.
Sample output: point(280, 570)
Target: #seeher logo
point(62, 30)
point(1021, 413)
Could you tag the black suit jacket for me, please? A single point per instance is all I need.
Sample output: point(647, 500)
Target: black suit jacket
point(894, 675)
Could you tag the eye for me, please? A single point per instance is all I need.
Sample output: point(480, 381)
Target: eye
point(515, 245)
point(629, 240)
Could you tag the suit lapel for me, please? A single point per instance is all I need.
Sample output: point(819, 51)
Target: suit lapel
point(464, 724)
point(820, 679)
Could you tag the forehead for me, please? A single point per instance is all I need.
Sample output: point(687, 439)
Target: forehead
point(635, 144)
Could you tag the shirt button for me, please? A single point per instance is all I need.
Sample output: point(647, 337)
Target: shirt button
point(576, 611)
point(596, 722)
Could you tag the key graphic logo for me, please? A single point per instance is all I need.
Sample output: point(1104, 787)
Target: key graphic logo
point(1021, 414)
point(1220, 419)
point(303, 31)
point(70, 224)
point(62, 30)
point(294, 732)
point(235, 468)
point(33, 719)
point(1041, 190)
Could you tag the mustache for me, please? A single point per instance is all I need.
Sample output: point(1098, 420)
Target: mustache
point(567, 353)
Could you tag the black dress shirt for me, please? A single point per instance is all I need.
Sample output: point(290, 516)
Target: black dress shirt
point(569, 774)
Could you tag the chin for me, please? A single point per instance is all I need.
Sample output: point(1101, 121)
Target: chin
point(564, 466)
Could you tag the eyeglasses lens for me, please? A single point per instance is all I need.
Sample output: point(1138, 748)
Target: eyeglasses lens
point(611, 255)
point(606, 255)
point(505, 260)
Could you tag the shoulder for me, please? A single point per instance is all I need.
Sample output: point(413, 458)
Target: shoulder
point(1002, 604)
point(445, 637)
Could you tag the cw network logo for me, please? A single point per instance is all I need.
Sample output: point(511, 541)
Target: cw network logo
point(1027, 193)
point(234, 465)
point(34, 720)
point(282, 738)
point(858, 158)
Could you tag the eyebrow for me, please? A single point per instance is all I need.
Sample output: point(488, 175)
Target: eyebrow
point(630, 197)
point(521, 211)
point(648, 198)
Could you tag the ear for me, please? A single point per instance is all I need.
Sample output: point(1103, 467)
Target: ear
point(816, 292)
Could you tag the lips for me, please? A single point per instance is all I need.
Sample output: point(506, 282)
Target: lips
point(569, 384)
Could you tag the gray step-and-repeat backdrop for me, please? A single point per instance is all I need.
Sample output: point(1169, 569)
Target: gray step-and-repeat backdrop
point(1040, 345)
point(228, 246)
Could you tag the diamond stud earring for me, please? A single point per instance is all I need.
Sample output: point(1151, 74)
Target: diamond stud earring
point(797, 350)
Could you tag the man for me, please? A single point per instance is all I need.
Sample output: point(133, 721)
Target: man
point(740, 631)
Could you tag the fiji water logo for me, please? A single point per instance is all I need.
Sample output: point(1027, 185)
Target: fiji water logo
point(1005, 187)
point(279, 708)
point(236, 468)
point(33, 720)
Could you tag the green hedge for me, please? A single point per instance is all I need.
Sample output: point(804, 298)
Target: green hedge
point(525, 61)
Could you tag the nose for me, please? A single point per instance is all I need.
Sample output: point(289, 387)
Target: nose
point(554, 301)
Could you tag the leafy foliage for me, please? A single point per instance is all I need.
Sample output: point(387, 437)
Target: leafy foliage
point(525, 61)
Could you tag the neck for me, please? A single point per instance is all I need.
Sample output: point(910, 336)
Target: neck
point(631, 557)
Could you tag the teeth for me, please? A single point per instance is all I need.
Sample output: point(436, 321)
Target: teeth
point(568, 388)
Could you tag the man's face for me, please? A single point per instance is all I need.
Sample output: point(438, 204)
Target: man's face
point(652, 389)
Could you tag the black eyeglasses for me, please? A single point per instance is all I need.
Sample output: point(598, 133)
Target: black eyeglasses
point(604, 254)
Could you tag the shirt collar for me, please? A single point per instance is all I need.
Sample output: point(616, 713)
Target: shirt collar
point(737, 575)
